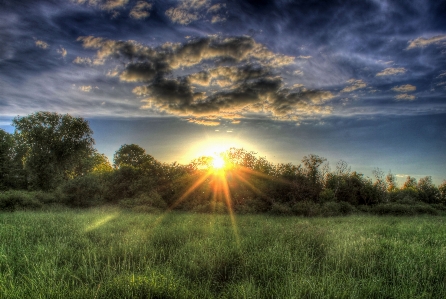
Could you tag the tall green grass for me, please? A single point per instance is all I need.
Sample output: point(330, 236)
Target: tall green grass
point(109, 253)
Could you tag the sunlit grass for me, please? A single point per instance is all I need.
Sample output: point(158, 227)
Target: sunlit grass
point(108, 253)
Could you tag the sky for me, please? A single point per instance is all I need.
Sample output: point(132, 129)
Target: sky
point(360, 81)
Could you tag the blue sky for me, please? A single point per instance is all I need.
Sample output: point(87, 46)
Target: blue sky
point(361, 81)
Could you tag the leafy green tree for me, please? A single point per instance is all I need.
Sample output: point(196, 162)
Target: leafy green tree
point(6, 159)
point(313, 173)
point(442, 190)
point(428, 192)
point(131, 155)
point(54, 145)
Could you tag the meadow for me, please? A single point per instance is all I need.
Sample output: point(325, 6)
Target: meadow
point(111, 253)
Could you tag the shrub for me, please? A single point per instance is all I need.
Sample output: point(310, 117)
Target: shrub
point(398, 209)
point(327, 195)
point(83, 191)
point(46, 197)
point(16, 200)
point(346, 208)
point(393, 209)
point(331, 208)
point(144, 202)
point(280, 209)
point(306, 208)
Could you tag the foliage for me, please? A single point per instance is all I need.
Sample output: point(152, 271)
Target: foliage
point(144, 202)
point(131, 155)
point(6, 163)
point(49, 151)
point(54, 145)
point(83, 191)
point(18, 200)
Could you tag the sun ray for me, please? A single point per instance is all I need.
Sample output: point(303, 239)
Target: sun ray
point(228, 200)
point(191, 189)
point(252, 187)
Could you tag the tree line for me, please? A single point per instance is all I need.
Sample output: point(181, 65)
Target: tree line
point(50, 158)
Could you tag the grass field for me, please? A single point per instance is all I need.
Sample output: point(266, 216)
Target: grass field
point(108, 253)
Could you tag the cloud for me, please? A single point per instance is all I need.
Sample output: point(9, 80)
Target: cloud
point(188, 11)
point(297, 85)
point(204, 122)
point(306, 101)
point(189, 54)
point(404, 88)
point(41, 44)
point(298, 73)
point(391, 71)
point(85, 88)
point(422, 42)
point(405, 97)
point(303, 57)
point(216, 7)
point(355, 84)
point(62, 51)
point(248, 83)
point(82, 60)
point(141, 10)
point(218, 19)
point(103, 4)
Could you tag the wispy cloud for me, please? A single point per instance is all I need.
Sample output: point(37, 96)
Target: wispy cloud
point(41, 44)
point(82, 60)
point(422, 42)
point(355, 84)
point(188, 11)
point(62, 51)
point(85, 88)
point(205, 122)
point(405, 97)
point(404, 88)
point(391, 71)
point(141, 10)
point(103, 4)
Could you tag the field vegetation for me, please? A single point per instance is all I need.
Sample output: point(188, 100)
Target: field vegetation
point(51, 159)
point(113, 253)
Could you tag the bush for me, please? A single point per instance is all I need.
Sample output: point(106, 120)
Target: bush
point(46, 197)
point(330, 209)
point(281, 209)
point(144, 202)
point(83, 191)
point(398, 209)
point(327, 195)
point(346, 208)
point(306, 208)
point(17, 200)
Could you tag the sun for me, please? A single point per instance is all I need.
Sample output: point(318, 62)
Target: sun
point(218, 162)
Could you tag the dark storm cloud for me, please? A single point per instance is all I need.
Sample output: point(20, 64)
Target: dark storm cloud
point(348, 53)
point(250, 84)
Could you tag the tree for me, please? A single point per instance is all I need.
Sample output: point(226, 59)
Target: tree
point(410, 183)
point(313, 173)
point(428, 192)
point(6, 159)
point(131, 155)
point(391, 182)
point(442, 190)
point(54, 146)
